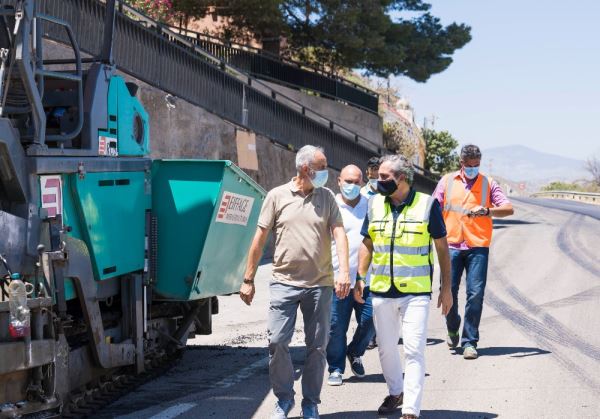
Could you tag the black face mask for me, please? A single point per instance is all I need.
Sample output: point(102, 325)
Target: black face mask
point(386, 187)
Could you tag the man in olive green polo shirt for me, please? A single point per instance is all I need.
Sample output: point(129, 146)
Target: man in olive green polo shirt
point(303, 216)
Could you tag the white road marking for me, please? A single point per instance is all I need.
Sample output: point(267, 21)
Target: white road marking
point(242, 374)
point(181, 408)
point(174, 411)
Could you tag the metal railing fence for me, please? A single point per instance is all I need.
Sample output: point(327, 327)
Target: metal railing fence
point(286, 72)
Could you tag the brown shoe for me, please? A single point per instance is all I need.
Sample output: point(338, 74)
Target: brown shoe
point(390, 404)
point(409, 416)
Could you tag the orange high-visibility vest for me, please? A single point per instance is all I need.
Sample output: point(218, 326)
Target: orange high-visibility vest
point(458, 202)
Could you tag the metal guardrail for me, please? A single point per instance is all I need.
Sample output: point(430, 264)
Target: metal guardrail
point(587, 197)
point(178, 69)
point(266, 66)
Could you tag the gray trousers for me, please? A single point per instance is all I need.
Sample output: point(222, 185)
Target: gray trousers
point(315, 304)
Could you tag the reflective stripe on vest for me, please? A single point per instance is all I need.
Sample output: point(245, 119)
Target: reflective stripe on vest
point(401, 250)
point(406, 271)
point(458, 203)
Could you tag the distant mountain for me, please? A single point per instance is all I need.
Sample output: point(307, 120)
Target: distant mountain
point(517, 163)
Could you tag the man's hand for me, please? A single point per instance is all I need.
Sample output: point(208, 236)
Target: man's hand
point(247, 292)
point(258, 243)
point(342, 285)
point(445, 300)
point(359, 288)
point(342, 282)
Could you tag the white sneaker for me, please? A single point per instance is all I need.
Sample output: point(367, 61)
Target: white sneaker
point(282, 409)
point(470, 353)
point(335, 378)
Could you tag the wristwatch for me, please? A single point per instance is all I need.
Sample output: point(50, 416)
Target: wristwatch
point(487, 211)
point(248, 281)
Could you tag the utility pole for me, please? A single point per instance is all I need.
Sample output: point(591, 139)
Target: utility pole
point(388, 90)
point(433, 118)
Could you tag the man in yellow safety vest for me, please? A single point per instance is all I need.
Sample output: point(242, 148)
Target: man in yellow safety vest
point(399, 230)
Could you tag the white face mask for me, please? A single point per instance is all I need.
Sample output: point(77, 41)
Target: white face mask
point(350, 190)
point(471, 172)
point(320, 178)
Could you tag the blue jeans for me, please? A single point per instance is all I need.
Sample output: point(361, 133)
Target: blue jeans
point(475, 262)
point(341, 312)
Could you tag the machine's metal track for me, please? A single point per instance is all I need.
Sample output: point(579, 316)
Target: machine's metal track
point(85, 403)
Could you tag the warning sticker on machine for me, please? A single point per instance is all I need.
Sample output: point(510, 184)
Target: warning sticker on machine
point(234, 209)
point(51, 192)
point(107, 146)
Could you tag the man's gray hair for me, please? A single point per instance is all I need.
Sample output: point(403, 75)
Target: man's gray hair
point(306, 155)
point(400, 166)
point(470, 151)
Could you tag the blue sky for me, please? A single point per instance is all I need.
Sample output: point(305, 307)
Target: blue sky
point(530, 76)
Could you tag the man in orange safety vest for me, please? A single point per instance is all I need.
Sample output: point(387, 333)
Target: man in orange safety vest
point(469, 199)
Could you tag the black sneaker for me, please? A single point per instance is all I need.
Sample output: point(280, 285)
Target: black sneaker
point(390, 404)
point(452, 339)
point(356, 366)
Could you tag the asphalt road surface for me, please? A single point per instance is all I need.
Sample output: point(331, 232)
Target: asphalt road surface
point(539, 347)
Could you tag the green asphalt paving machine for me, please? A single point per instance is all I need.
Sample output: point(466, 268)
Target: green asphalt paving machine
point(109, 261)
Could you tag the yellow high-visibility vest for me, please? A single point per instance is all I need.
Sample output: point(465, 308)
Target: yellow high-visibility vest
point(401, 250)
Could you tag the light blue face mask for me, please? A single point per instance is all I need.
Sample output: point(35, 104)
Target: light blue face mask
point(320, 178)
point(471, 172)
point(373, 183)
point(350, 190)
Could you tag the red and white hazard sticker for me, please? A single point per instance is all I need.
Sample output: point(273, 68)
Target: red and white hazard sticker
point(107, 146)
point(234, 209)
point(51, 193)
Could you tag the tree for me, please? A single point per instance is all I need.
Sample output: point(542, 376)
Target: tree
point(174, 12)
point(248, 19)
point(396, 140)
point(562, 186)
point(441, 156)
point(592, 165)
point(373, 35)
point(186, 9)
point(161, 10)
